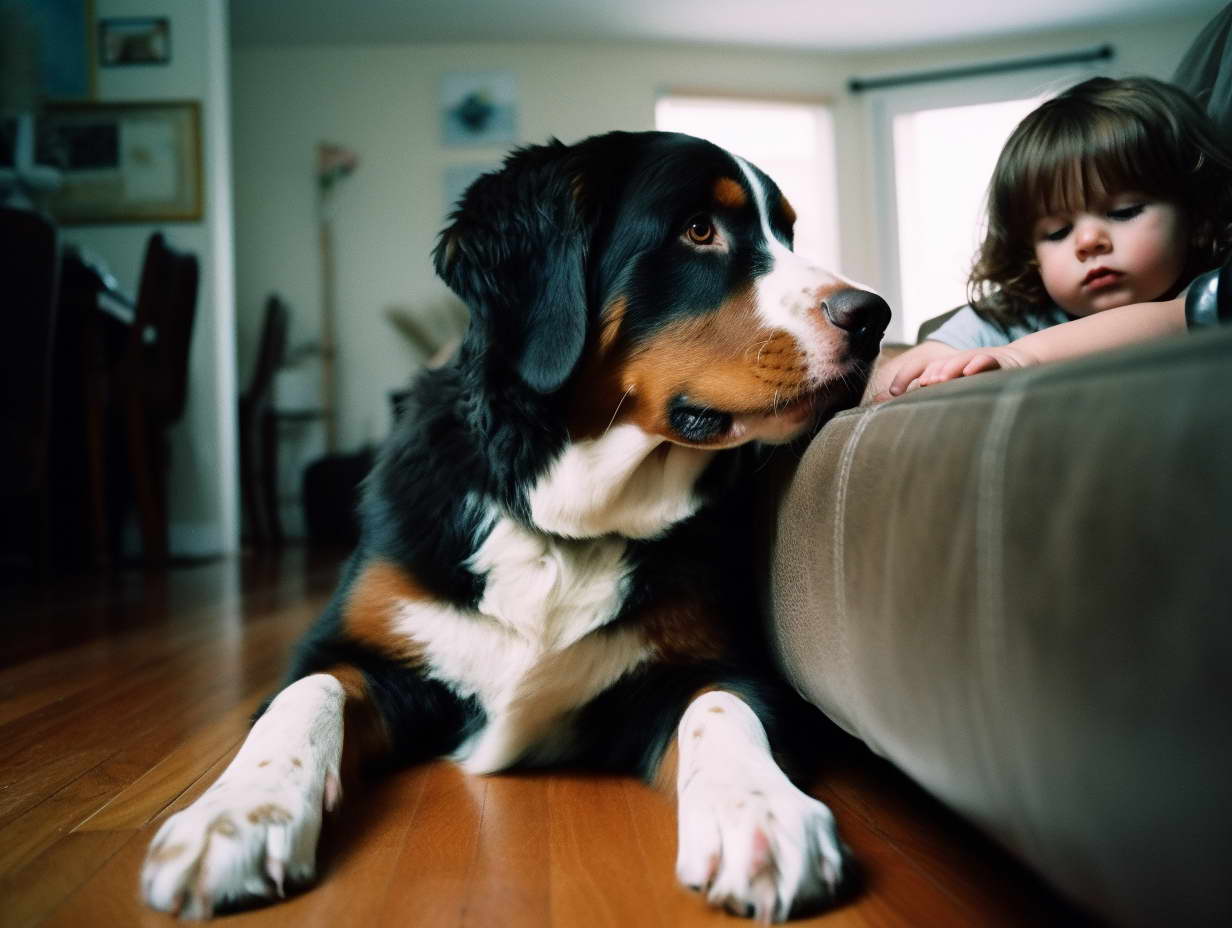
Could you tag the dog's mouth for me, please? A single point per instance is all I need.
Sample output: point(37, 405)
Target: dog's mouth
point(700, 425)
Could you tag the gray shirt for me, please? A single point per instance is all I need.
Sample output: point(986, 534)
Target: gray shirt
point(967, 329)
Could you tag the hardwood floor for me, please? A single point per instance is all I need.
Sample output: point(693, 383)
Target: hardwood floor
point(121, 701)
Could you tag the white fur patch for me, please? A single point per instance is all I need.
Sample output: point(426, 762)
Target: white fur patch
point(528, 653)
point(748, 838)
point(258, 824)
point(625, 482)
point(789, 296)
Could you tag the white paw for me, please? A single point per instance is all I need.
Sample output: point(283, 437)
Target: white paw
point(765, 851)
point(239, 842)
point(255, 830)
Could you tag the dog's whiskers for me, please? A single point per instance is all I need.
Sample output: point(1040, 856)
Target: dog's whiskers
point(616, 411)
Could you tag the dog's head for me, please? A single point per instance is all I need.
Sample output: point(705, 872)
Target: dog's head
point(649, 279)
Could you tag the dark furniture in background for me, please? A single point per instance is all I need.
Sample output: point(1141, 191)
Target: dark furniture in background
point(151, 381)
point(30, 271)
point(258, 424)
point(118, 373)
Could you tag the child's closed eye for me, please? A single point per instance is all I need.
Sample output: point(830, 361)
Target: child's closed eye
point(1125, 213)
point(1058, 234)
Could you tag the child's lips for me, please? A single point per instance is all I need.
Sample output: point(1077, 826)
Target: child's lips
point(1101, 278)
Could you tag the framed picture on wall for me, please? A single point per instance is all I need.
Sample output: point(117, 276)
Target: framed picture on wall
point(124, 162)
point(479, 108)
point(134, 41)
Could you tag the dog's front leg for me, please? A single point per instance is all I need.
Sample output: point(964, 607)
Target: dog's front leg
point(256, 828)
point(749, 839)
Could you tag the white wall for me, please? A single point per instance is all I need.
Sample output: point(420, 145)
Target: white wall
point(203, 485)
point(381, 101)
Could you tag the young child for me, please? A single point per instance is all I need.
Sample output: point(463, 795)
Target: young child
point(1106, 202)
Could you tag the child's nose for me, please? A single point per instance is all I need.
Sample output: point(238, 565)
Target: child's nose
point(1091, 238)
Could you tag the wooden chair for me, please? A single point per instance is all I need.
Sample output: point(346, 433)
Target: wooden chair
point(259, 432)
point(152, 381)
point(29, 274)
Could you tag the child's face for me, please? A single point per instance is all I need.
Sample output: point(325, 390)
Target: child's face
point(1122, 249)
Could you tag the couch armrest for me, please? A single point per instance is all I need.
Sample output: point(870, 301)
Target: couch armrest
point(1018, 588)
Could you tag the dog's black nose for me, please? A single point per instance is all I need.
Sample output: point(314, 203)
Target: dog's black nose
point(862, 313)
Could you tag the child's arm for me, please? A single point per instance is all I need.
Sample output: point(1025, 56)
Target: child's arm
point(1112, 328)
point(913, 360)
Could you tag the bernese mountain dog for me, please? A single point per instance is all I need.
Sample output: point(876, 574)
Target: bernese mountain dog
point(546, 574)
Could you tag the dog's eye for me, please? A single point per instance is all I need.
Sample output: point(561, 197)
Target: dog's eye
point(700, 231)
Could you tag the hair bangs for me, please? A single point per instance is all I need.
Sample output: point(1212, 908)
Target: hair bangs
point(1071, 164)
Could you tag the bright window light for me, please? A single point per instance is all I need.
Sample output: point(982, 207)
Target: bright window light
point(791, 142)
point(943, 161)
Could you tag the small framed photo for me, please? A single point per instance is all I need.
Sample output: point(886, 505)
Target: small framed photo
point(123, 162)
point(134, 41)
point(479, 108)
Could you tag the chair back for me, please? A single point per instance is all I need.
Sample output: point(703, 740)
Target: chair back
point(272, 350)
point(162, 330)
point(30, 275)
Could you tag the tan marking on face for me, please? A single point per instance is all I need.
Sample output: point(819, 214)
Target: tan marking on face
point(728, 192)
point(726, 360)
point(788, 210)
point(372, 605)
point(597, 395)
point(609, 325)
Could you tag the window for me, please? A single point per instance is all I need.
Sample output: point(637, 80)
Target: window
point(940, 189)
point(792, 142)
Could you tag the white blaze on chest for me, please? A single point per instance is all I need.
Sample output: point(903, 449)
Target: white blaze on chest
point(551, 591)
point(625, 482)
point(528, 653)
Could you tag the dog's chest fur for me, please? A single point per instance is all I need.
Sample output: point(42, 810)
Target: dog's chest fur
point(537, 646)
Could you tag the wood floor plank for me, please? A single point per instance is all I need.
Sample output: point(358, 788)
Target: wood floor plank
point(32, 893)
point(946, 849)
point(437, 860)
point(58, 748)
point(110, 895)
point(599, 874)
point(145, 797)
point(509, 879)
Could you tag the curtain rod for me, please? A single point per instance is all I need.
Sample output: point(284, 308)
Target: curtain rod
point(859, 84)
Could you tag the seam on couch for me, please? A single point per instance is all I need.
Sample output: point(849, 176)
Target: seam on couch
point(990, 580)
point(990, 511)
point(840, 534)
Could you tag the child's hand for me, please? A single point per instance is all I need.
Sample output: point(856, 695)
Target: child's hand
point(960, 364)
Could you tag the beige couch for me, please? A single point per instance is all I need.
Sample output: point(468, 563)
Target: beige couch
point(1018, 588)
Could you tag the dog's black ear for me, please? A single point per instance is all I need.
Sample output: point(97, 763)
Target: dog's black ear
point(515, 252)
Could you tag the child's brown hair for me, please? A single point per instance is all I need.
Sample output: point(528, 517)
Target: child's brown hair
point(1100, 138)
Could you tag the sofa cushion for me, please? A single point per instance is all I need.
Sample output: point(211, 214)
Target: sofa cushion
point(1018, 588)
